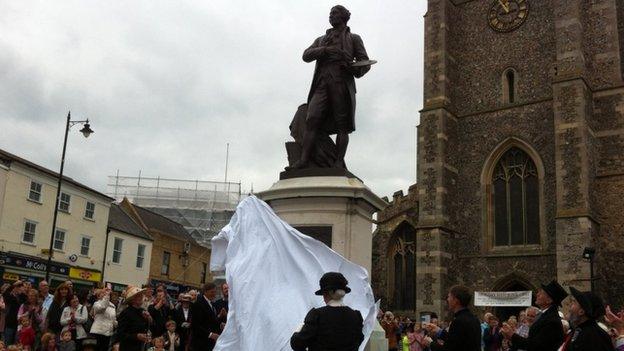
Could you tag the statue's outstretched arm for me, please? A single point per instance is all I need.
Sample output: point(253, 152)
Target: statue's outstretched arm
point(359, 51)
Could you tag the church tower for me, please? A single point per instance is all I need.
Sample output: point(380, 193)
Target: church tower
point(520, 153)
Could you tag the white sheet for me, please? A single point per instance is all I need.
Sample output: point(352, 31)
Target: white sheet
point(273, 271)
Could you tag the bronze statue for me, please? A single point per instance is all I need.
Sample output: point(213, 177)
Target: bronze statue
point(340, 56)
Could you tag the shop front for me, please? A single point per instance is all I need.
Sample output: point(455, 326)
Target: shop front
point(14, 266)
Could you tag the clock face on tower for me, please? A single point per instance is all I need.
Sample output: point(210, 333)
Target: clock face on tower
point(507, 15)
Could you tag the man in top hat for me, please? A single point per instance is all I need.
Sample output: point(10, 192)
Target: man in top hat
point(334, 326)
point(546, 333)
point(464, 333)
point(132, 327)
point(586, 308)
point(182, 317)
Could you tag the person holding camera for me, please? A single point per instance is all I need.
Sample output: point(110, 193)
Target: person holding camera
point(334, 326)
point(390, 326)
point(464, 333)
point(104, 318)
point(160, 311)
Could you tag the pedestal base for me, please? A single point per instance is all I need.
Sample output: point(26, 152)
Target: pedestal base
point(334, 209)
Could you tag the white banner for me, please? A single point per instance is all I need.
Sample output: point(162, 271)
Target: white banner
point(503, 298)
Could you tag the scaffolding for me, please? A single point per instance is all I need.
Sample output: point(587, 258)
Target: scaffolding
point(202, 207)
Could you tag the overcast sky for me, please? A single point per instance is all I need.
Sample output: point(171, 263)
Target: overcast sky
point(166, 84)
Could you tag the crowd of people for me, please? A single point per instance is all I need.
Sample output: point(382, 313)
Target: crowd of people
point(147, 318)
point(587, 326)
point(140, 318)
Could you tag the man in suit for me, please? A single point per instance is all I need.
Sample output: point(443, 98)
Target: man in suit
point(464, 333)
point(586, 308)
point(331, 101)
point(222, 305)
point(182, 317)
point(205, 328)
point(546, 333)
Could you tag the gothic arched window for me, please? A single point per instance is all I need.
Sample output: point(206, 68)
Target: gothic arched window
point(509, 86)
point(515, 199)
point(403, 256)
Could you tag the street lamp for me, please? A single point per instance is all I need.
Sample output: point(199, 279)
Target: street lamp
point(589, 254)
point(86, 131)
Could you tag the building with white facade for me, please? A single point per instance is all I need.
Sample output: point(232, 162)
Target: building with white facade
point(27, 199)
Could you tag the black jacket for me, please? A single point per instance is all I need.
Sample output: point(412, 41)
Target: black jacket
point(12, 303)
point(590, 337)
point(159, 319)
point(329, 329)
point(184, 333)
point(204, 322)
point(130, 323)
point(464, 334)
point(545, 334)
point(53, 317)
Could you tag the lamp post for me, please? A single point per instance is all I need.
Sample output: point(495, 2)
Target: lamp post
point(589, 254)
point(86, 131)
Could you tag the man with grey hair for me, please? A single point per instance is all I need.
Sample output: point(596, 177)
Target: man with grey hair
point(523, 328)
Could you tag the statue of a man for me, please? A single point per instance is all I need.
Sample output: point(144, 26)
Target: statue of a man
point(331, 101)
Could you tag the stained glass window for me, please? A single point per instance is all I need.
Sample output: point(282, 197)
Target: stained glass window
point(515, 198)
point(403, 253)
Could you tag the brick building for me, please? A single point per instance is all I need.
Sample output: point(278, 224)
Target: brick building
point(520, 154)
point(177, 260)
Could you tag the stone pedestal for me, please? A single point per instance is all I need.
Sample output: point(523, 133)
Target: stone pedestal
point(336, 210)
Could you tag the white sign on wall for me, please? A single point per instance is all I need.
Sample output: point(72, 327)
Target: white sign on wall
point(503, 298)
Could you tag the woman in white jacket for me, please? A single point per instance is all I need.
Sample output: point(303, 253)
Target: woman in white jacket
point(73, 318)
point(104, 320)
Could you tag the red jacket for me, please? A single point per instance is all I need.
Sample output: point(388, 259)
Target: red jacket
point(26, 337)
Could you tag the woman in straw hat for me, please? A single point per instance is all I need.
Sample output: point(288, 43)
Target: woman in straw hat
point(133, 322)
point(334, 326)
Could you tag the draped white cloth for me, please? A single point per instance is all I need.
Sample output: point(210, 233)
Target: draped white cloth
point(273, 271)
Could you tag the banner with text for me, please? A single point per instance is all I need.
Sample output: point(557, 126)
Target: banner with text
point(503, 298)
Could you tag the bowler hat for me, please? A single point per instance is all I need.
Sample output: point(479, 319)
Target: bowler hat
point(590, 303)
point(556, 292)
point(331, 281)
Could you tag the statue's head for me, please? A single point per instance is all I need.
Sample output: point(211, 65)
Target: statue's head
point(339, 15)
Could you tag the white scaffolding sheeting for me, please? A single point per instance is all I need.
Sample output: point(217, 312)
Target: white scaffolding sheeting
point(202, 207)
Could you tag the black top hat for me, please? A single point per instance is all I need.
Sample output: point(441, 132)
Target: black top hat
point(590, 303)
point(333, 281)
point(556, 292)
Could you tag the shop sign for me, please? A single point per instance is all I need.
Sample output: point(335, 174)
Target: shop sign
point(33, 263)
point(172, 288)
point(117, 287)
point(85, 274)
point(15, 277)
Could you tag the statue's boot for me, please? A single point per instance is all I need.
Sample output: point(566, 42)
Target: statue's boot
point(298, 165)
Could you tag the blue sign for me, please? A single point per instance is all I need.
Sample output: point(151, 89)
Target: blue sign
point(34, 263)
